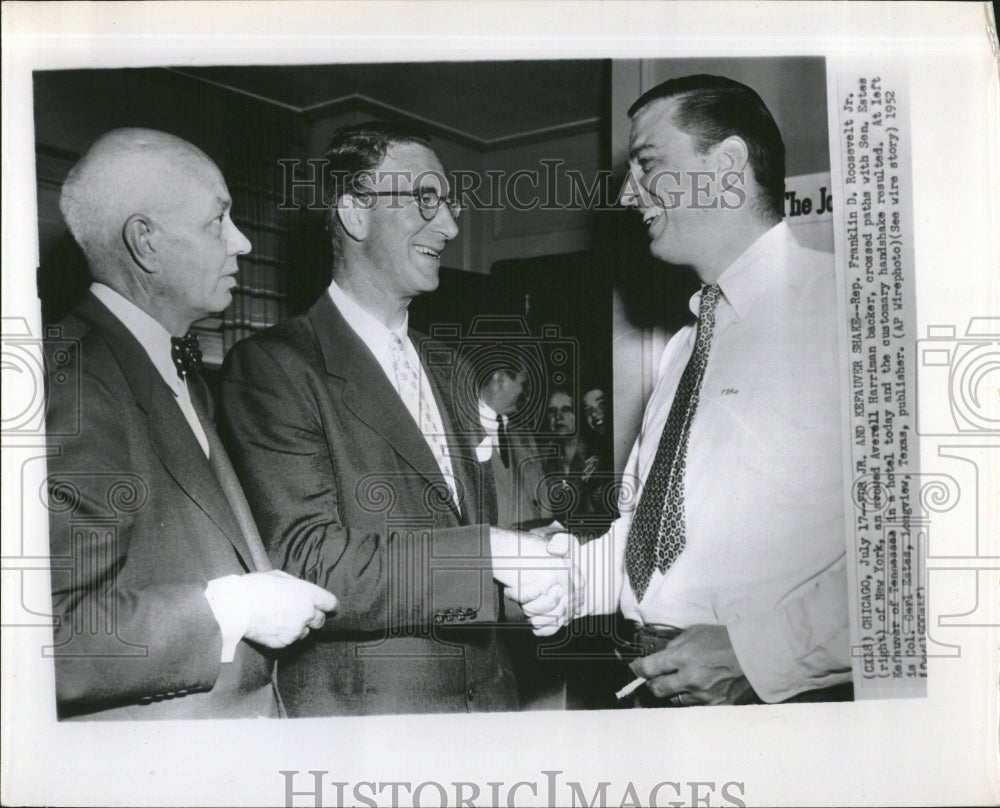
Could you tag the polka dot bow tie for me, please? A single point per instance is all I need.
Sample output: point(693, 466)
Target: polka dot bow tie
point(186, 354)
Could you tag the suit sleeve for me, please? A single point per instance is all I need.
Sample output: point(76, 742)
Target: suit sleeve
point(284, 451)
point(113, 644)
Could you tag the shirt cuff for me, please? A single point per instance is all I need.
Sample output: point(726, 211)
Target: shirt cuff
point(229, 604)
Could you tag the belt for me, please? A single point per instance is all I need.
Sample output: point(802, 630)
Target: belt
point(648, 639)
point(641, 640)
point(645, 639)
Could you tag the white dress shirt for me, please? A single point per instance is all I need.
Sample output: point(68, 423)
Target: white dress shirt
point(488, 419)
point(763, 484)
point(377, 338)
point(224, 595)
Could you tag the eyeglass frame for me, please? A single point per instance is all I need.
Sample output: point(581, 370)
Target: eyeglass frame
point(453, 203)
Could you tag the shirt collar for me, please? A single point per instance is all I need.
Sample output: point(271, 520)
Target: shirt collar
point(150, 334)
point(756, 269)
point(373, 333)
point(488, 418)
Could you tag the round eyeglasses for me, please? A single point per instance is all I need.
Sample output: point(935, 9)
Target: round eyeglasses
point(428, 201)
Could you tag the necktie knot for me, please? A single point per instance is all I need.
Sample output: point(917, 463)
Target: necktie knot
point(710, 297)
point(186, 354)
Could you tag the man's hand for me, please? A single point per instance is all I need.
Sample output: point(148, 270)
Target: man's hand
point(282, 609)
point(698, 666)
point(549, 612)
point(550, 530)
point(544, 581)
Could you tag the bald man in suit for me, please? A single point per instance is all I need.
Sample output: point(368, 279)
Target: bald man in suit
point(166, 605)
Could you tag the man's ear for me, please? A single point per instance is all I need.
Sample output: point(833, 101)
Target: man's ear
point(732, 154)
point(138, 234)
point(353, 214)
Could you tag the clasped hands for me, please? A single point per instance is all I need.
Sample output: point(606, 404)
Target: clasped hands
point(540, 574)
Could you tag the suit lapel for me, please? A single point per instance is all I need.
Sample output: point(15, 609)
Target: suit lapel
point(366, 392)
point(169, 432)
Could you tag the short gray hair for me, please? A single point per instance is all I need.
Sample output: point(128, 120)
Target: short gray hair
point(120, 174)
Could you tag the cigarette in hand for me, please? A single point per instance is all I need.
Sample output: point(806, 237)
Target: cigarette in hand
point(630, 688)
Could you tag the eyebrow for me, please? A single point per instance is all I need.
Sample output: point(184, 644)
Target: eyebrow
point(442, 192)
point(637, 151)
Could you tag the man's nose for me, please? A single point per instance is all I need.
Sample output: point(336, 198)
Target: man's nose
point(634, 194)
point(238, 243)
point(444, 222)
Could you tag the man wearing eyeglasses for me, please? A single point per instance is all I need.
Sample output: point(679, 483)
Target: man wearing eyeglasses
point(345, 437)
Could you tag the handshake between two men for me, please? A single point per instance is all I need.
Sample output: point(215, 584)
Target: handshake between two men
point(688, 667)
point(540, 572)
point(537, 570)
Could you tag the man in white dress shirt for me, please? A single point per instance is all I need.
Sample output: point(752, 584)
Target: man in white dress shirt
point(732, 561)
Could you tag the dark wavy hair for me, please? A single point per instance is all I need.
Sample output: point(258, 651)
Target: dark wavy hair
point(354, 153)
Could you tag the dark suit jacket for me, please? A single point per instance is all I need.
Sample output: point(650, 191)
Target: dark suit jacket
point(138, 526)
point(349, 496)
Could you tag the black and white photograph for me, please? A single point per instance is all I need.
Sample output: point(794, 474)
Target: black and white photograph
point(468, 414)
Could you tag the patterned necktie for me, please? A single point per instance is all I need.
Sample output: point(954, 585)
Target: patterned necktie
point(186, 354)
point(503, 442)
point(408, 385)
point(656, 537)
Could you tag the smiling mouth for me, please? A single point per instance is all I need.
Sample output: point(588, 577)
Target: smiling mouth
point(428, 251)
point(651, 215)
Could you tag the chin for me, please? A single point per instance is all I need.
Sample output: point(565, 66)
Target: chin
point(221, 303)
point(661, 252)
point(431, 282)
